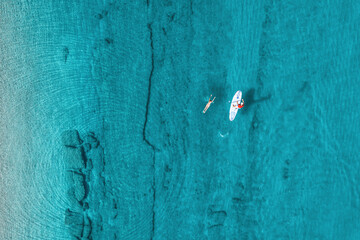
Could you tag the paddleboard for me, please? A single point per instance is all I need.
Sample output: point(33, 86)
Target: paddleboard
point(233, 110)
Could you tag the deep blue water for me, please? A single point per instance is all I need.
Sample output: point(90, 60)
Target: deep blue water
point(103, 135)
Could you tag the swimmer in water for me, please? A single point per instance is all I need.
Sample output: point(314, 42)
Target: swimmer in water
point(208, 104)
point(239, 104)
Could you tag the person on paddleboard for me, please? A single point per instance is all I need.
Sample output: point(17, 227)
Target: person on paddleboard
point(208, 104)
point(239, 104)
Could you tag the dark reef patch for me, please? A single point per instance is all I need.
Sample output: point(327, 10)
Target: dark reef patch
point(171, 17)
point(79, 154)
point(75, 158)
point(109, 40)
point(285, 172)
point(305, 86)
point(66, 53)
point(101, 15)
point(71, 138)
point(215, 218)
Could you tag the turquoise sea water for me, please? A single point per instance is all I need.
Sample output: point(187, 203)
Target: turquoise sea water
point(103, 135)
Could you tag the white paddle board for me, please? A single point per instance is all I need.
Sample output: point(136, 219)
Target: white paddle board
point(233, 110)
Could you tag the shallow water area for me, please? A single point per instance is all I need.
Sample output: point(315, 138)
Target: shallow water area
point(103, 135)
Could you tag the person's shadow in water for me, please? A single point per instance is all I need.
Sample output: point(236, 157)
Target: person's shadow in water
point(218, 91)
point(250, 100)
